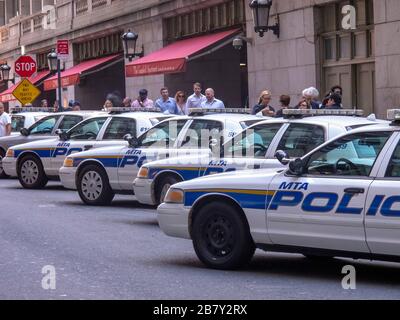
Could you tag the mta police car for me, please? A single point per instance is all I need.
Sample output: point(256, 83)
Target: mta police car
point(26, 117)
point(36, 162)
point(255, 148)
point(45, 128)
point(342, 199)
point(99, 174)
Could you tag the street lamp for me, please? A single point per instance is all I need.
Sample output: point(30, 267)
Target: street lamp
point(55, 66)
point(130, 38)
point(5, 73)
point(261, 10)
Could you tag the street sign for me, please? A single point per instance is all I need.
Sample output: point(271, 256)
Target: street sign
point(25, 66)
point(63, 49)
point(26, 92)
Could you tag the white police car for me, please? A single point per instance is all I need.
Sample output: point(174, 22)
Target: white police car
point(255, 148)
point(341, 199)
point(26, 117)
point(43, 129)
point(101, 173)
point(36, 162)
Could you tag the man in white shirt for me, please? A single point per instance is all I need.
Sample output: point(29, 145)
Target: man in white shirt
point(211, 102)
point(5, 122)
point(196, 99)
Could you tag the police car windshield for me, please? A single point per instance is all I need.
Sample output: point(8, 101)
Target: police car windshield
point(253, 142)
point(17, 123)
point(353, 155)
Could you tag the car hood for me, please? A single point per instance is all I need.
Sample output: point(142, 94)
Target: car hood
point(248, 179)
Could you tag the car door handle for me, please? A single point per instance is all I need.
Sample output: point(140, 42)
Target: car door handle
point(354, 190)
point(86, 148)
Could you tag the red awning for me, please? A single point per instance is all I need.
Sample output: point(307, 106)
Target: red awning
point(72, 76)
point(7, 95)
point(173, 58)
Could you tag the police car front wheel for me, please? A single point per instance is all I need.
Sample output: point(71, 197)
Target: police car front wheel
point(31, 174)
point(221, 237)
point(93, 186)
point(163, 186)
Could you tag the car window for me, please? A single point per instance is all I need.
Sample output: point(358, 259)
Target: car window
point(87, 130)
point(393, 170)
point(201, 132)
point(44, 126)
point(254, 142)
point(69, 122)
point(164, 134)
point(353, 155)
point(17, 123)
point(300, 139)
point(119, 128)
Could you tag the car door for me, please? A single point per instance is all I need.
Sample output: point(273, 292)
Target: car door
point(81, 137)
point(324, 206)
point(155, 144)
point(382, 221)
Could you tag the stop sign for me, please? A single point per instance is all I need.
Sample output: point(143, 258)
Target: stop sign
point(25, 67)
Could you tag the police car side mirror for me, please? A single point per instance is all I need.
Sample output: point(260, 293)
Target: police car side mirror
point(25, 132)
point(282, 157)
point(62, 134)
point(133, 141)
point(296, 167)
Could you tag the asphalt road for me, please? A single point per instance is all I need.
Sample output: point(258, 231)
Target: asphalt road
point(118, 252)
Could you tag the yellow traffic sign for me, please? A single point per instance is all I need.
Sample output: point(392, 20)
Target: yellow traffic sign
point(26, 92)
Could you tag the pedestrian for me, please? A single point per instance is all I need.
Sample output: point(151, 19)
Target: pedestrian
point(334, 101)
point(76, 106)
point(166, 103)
point(211, 102)
point(5, 122)
point(311, 95)
point(263, 105)
point(180, 99)
point(55, 106)
point(196, 99)
point(127, 102)
point(112, 101)
point(304, 104)
point(44, 103)
point(284, 100)
point(143, 101)
point(337, 89)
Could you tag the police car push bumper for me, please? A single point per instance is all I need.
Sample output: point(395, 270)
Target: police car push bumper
point(67, 177)
point(9, 166)
point(173, 220)
point(143, 191)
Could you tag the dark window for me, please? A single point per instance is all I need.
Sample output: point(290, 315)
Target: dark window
point(119, 127)
point(162, 135)
point(44, 126)
point(201, 132)
point(69, 122)
point(393, 170)
point(87, 130)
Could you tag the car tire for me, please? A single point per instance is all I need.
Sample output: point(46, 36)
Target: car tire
point(31, 173)
point(94, 187)
point(221, 237)
point(2, 173)
point(163, 186)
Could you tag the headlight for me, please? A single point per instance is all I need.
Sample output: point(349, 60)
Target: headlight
point(174, 196)
point(10, 153)
point(143, 173)
point(68, 162)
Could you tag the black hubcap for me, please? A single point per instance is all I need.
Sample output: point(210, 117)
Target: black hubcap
point(218, 236)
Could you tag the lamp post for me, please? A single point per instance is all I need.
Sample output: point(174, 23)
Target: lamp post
point(5, 73)
point(55, 66)
point(129, 39)
point(261, 10)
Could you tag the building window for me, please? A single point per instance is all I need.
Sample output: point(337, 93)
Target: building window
point(228, 14)
point(348, 55)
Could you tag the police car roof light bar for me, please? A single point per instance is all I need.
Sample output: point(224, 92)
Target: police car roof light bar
point(394, 116)
point(127, 109)
point(202, 111)
point(28, 109)
point(287, 113)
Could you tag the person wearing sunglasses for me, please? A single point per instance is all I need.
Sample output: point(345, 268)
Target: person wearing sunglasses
point(180, 99)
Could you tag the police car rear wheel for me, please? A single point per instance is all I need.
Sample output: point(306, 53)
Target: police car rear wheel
point(2, 173)
point(163, 187)
point(31, 174)
point(221, 237)
point(94, 187)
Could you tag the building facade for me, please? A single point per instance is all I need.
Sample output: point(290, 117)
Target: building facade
point(315, 47)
